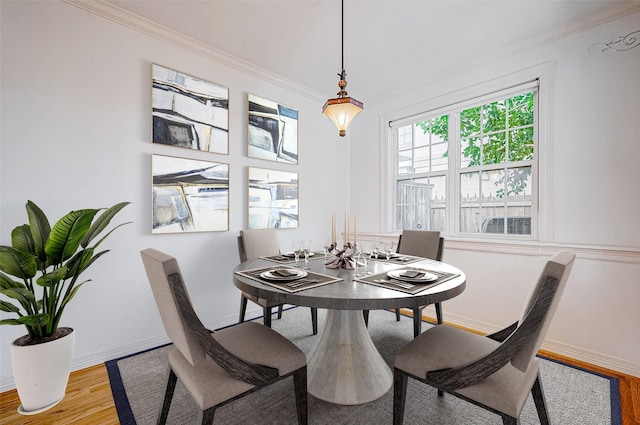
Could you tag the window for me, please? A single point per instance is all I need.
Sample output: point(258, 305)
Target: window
point(469, 168)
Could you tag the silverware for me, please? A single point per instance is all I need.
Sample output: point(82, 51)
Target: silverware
point(395, 282)
point(301, 282)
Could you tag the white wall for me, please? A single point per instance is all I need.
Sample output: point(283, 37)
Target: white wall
point(75, 133)
point(76, 120)
point(594, 201)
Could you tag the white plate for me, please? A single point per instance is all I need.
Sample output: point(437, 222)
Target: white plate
point(397, 274)
point(270, 275)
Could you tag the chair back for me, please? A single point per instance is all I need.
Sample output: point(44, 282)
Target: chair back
point(558, 267)
point(258, 243)
point(159, 266)
point(421, 243)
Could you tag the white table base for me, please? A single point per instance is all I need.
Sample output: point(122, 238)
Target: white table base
point(345, 367)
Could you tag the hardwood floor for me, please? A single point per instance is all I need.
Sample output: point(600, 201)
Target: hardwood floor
point(89, 400)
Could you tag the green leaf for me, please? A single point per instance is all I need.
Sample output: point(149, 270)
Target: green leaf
point(102, 222)
point(17, 263)
point(40, 229)
point(8, 307)
point(10, 322)
point(24, 296)
point(53, 277)
point(67, 234)
point(6, 282)
point(21, 239)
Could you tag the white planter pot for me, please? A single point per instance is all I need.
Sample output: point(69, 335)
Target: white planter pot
point(41, 373)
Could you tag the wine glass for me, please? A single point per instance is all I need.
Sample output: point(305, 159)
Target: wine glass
point(296, 247)
point(374, 249)
point(388, 249)
point(306, 248)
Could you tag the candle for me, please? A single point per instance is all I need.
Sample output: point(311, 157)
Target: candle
point(333, 228)
point(355, 229)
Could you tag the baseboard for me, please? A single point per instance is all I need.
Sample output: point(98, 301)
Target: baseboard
point(576, 353)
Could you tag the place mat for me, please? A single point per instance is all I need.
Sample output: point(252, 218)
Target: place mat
point(397, 258)
point(377, 280)
point(312, 280)
point(289, 258)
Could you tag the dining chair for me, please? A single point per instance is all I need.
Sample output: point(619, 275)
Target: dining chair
point(219, 367)
point(253, 244)
point(495, 372)
point(421, 243)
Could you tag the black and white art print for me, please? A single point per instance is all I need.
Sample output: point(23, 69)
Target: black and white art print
point(273, 131)
point(189, 195)
point(189, 112)
point(273, 199)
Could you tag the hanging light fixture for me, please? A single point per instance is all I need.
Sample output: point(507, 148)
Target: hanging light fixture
point(342, 109)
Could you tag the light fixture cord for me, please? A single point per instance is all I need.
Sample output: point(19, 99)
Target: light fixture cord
point(342, 34)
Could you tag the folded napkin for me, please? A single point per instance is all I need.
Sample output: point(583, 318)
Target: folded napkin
point(285, 272)
point(412, 273)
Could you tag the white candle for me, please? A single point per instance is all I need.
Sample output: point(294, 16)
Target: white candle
point(346, 228)
point(333, 227)
point(355, 229)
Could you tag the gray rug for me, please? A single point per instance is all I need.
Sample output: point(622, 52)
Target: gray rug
point(574, 396)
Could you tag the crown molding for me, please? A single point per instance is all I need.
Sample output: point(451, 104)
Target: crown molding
point(135, 22)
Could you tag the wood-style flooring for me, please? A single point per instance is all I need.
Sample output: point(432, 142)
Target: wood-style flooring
point(89, 400)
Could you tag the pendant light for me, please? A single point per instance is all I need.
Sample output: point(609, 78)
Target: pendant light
point(342, 109)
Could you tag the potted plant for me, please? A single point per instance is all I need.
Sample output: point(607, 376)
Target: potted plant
point(39, 276)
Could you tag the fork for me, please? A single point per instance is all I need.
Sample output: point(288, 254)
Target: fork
point(397, 283)
point(300, 282)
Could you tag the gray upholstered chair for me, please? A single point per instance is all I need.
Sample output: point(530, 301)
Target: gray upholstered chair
point(425, 244)
point(495, 372)
point(219, 367)
point(253, 244)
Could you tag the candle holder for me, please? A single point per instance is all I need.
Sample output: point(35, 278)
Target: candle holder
point(343, 259)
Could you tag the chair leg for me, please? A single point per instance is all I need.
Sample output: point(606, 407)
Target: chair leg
point(207, 416)
point(243, 308)
point(439, 313)
point(280, 311)
point(399, 395)
point(365, 313)
point(417, 322)
point(397, 314)
point(541, 404)
point(300, 388)
point(314, 320)
point(168, 395)
point(266, 316)
point(509, 420)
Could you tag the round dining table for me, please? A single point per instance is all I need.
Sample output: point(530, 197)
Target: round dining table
point(345, 367)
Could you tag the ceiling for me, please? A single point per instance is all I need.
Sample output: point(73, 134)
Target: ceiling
point(389, 46)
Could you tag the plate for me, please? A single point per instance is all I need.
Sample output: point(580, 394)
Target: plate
point(270, 275)
point(426, 277)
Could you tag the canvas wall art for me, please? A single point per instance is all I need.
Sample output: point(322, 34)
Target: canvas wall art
point(273, 199)
point(189, 195)
point(273, 131)
point(189, 112)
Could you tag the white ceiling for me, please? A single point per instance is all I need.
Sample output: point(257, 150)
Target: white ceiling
point(389, 45)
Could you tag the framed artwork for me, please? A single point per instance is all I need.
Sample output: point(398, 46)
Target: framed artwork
point(273, 131)
point(189, 195)
point(189, 112)
point(273, 199)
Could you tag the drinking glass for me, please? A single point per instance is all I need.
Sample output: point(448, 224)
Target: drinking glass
point(306, 248)
point(296, 247)
point(374, 249)
point(388, 249)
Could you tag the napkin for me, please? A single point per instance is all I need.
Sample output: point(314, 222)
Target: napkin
point(284, 273)
point(412, 273)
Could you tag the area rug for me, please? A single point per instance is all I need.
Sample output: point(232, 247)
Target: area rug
point(574, 396)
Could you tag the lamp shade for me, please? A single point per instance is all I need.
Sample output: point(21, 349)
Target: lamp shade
point(341, 111)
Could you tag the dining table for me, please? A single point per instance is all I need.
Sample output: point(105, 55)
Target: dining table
point(345, 367)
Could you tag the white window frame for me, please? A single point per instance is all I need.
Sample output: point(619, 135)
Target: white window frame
point(496, 88)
